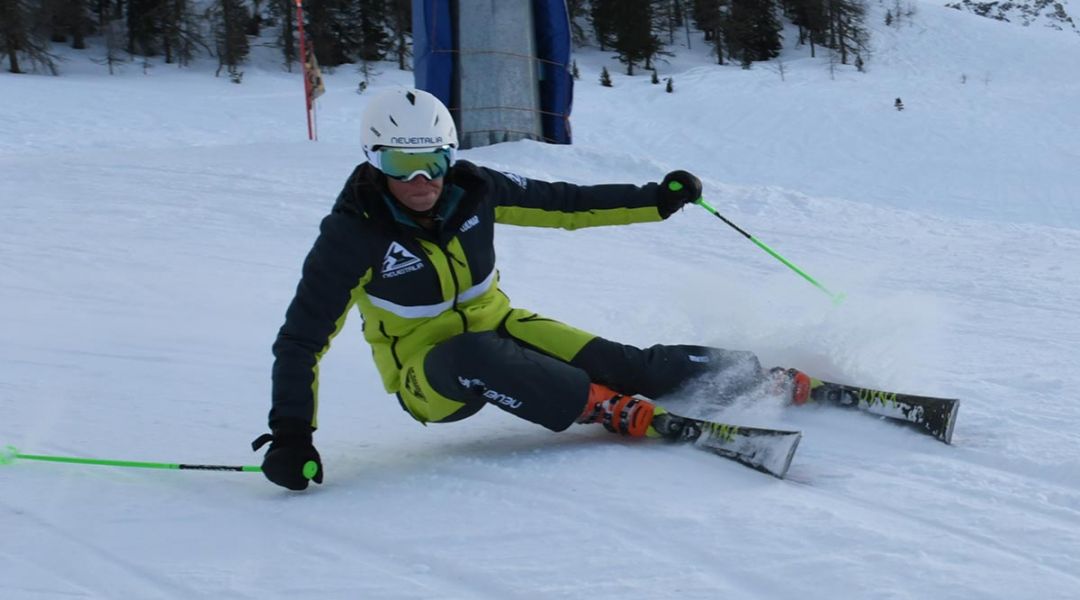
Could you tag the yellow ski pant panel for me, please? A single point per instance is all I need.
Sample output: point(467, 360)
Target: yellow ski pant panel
point(418, 397)
point(525, 328)
point(549, 336)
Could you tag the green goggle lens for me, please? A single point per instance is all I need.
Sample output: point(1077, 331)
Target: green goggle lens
point(403, 166)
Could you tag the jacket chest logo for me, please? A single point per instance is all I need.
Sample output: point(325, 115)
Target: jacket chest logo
point(399, 260)
point(472, 222)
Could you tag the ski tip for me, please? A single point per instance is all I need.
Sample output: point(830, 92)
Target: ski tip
point(946, 435)
point(774, 459)
point(781, 471)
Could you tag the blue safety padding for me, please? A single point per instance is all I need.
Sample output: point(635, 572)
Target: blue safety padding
point(556, 80)
point(433, 49)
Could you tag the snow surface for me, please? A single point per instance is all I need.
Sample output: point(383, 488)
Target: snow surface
point(152, 227)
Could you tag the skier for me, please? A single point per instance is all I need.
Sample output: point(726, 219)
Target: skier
point(409, 242)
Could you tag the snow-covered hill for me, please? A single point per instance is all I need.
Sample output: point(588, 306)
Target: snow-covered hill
point(1047, 13)
point(152, 228)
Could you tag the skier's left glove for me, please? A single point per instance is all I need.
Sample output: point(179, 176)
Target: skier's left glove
point(292, 459)
point(676, 190)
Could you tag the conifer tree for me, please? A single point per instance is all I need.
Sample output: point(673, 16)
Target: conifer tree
point(400, 24)
point(231, 37)
point(605, 77)
point(575, 9)
point(181, 31)
point(68, 18)
point(753, 31)
point(284, 13)
point(255, 21)
point(22, 37)
point(113, 32)
point(602, 15)
point(143, 26)
point(14, 33)
point(634, 40)
point(374, 40)
point(334, 31)
point(847, 36)
point(664, 19)
point(708, 16)
point(810, 17)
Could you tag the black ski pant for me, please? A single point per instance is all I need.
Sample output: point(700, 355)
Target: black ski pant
point(518, 368)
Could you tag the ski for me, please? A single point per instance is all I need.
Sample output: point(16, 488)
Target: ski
point(933, 416)
point(766, 450)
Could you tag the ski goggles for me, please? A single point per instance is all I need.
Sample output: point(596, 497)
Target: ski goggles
point(404, 165)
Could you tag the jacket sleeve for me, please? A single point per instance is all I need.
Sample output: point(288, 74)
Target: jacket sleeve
point(334, 272)
point(521, 201)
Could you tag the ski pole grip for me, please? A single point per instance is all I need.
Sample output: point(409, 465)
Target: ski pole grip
point(675, 186)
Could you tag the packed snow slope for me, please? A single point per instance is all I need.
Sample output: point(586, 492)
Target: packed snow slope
point(152, 228)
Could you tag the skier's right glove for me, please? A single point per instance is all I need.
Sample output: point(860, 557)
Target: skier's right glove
point(676, 190)
point(292, 459)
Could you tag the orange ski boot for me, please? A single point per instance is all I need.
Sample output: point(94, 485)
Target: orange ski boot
point(798, 382)
point(619, 413)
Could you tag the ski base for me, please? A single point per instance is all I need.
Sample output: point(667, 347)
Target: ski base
point(766, 450)
point(933, 416)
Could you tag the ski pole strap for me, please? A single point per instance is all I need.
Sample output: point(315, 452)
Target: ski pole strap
point(836, 298)
point(10, 454)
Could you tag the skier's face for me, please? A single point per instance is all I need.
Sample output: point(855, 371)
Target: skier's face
point(418, 194)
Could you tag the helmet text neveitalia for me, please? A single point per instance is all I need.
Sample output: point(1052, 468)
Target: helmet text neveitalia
point(410, 141)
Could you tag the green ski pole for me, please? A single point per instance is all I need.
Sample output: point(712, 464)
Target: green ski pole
point(10, 454)
point(836, 298)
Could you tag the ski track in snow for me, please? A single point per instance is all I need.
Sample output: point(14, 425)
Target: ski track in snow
point(152, 232)
point(126, 576)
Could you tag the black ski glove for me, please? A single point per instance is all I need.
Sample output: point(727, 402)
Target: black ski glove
point(286, 462)
point(677, 189)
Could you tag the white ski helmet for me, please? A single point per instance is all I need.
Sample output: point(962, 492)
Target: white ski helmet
point(407, 119)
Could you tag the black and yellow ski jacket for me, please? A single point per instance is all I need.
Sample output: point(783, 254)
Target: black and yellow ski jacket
point(414, 287)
